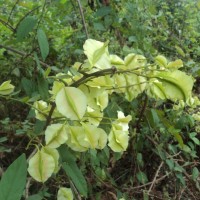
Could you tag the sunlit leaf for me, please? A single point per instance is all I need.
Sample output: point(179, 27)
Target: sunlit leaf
point(41, 166)
point(54, 153)
point(6, 88)
point(97, 53)
point(177, 85)
point(55, 135)
point(76, 139)
point(133, 61)
point(41, 110)
point(71, 102)
point(161, 61)
point(118, 140)
point(175, 64)
point(65, 194)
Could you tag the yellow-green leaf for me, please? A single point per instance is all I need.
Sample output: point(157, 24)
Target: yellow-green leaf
point(175, 64)
point(65, 194)
point(71, 102)
point(177, 85)
point(161, 61)
point(6, 88)
point(118, 140)
point(54, 153)
point(41, 166)
point(55, 135)
point(97, 53)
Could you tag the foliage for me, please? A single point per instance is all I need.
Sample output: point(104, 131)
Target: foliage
point(115, 117)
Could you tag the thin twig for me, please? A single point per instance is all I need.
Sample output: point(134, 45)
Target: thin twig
point(6, 24)
point(83, 19)
point(147, 184)
point(21, 54)
point(12, 10)
point(28, 13)
point(155, 177)
point(27, 188)
point(75, 190)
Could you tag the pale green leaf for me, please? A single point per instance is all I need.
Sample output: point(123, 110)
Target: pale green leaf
point(54, 153)
point(96, 137)
point(65, 194)
point(97, 53)
point(41, 166)
point(177, 85)
point(55, 135)
point(156, 90)
point(175, 64)
point(71, 102)
point(76, 139)
point(118, 140)
point(130, 84)
point(161, 61)
point(6, 88)
point(41, 109)
point(133, 61)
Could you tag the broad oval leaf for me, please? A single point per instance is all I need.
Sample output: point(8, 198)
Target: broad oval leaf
point(43, 43)
point(71, 102)
point(13, 181)
point(41, 166)
point(55, 135)
point(65, 194)
point(25, 26)
point(6, 88)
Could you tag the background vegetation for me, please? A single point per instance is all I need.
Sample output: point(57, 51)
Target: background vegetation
point(162, 159)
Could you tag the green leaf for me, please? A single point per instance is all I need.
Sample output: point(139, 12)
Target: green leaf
point(195, 173)
point(71, 102)
point(65, 194)
point(29, 86)
point(43, 43)
point(25, 26)
point(43, 87)
point(41, 166)
point(13, 181)
point(170, 163)
point(77, 177)
point(35, 197)
point(142, 178)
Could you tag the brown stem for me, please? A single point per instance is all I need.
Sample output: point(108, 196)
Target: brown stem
point(83, 19)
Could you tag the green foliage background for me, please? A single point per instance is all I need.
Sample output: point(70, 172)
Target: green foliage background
point(38, 38)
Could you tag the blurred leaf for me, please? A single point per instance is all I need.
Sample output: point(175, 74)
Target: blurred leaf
point(43, 43)
point(195, 173)
point(142, 178)
point(25, 26)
